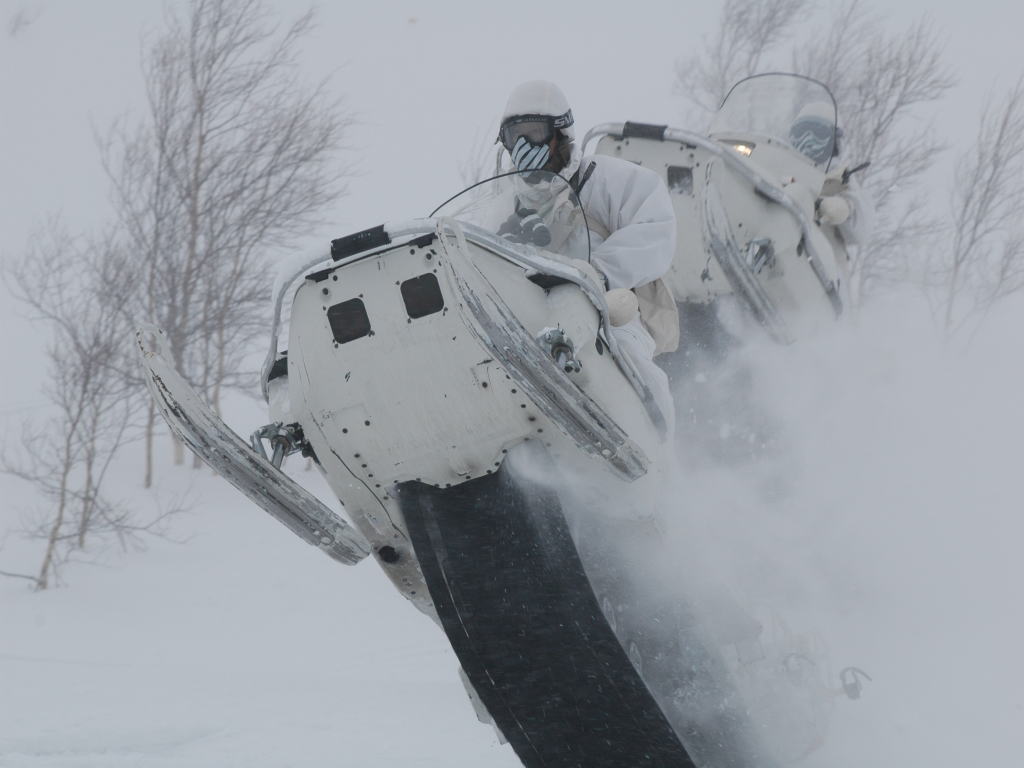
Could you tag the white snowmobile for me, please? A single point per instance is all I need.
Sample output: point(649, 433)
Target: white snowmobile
point(750, 188)
point(750, 237)
point(424, 356)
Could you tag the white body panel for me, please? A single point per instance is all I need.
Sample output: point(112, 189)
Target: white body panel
point(423, 398)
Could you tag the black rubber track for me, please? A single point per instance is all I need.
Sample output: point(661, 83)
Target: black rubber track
point(518, 609)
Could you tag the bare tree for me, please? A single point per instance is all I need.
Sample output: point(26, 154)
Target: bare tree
point(984, 261)
point(22, 19)
point(481, 159)
point(882, 81)
point(748, 34)
point(233, 160)
point(78, 290)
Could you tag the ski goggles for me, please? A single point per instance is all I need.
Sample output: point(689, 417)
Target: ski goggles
point(536, 129)
point(815, 139)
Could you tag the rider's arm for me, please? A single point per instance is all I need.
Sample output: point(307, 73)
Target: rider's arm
point(632, 205)
point(858, 227)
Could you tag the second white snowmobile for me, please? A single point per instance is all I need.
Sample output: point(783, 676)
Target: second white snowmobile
point(751, 237)
point(745, 195)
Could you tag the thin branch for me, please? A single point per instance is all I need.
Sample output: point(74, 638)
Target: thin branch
point(10, 575)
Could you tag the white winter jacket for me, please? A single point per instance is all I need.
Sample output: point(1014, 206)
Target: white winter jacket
point(632, 227)
point(633, 238)
point(631, 220)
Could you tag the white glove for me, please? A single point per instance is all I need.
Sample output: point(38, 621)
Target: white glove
point(833, 210)
point(622, 306)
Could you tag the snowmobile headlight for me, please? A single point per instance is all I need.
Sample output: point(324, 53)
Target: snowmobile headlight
point(744, 149)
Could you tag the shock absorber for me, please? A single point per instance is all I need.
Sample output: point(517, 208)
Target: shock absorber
point(561, 348)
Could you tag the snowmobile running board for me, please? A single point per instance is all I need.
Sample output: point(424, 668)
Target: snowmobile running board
point(192, 421)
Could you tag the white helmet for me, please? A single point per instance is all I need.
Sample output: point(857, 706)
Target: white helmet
point(535, 111)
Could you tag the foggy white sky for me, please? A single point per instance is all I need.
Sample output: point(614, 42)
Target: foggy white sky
point(427, 81)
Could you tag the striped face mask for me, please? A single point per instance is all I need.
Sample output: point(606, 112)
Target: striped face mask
point(527, 156)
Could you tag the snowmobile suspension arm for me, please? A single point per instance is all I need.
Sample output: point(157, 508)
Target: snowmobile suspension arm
point(284, 441)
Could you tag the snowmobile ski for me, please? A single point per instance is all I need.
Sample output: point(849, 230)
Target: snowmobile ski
point(227, 454)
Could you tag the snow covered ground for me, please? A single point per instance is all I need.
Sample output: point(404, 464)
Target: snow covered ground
point(893, 529)
point(893, 532)
point(238, 646)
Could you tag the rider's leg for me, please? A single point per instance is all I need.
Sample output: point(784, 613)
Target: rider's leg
point(638, 345)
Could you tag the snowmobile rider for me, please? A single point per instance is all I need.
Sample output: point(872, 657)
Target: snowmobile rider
point(631, 220)
point(842, 203)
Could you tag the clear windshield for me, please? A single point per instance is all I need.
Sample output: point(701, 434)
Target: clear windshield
point(532, 209)
point(793, 108)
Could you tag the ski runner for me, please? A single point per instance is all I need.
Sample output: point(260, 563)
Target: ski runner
point(631, 220)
